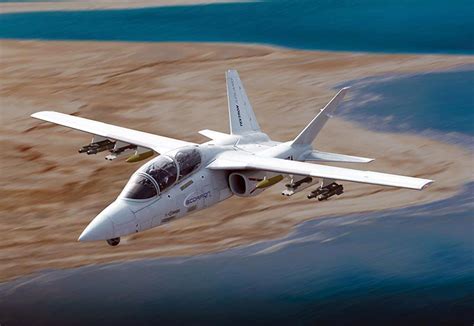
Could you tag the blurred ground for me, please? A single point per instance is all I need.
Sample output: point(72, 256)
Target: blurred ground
point(49, 193)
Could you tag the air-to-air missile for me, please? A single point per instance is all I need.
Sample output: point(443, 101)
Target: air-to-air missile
point(267, 182)
point(114, 153)
point(137, 157)
point(324, 193)
point(94, 148)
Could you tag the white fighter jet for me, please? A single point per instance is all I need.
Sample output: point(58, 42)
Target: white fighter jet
point(188, 177)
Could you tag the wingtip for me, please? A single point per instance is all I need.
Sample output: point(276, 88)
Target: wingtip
point(342, 92)
point(427, 184)
point(37, 115)
point(40, 114)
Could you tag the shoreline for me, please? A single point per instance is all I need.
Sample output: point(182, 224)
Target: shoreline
point(52, 193)
point(269, 246)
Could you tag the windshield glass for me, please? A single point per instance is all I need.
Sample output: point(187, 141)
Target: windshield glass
point(164, 171)
point(140, 187)
point(189, 159)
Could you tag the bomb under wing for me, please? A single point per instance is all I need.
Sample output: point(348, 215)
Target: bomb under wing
point(137, 157)
point(268, 182)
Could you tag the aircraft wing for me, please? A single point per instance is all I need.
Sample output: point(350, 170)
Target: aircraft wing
point(243, 161)
point(157, 143)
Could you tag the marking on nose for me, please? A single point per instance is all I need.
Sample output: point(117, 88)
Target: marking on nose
point(187, 184)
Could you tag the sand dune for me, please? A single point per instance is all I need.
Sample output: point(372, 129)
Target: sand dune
point(49, 193)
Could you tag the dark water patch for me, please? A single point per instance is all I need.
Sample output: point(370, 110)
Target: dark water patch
point(435, 104)
point(412, 265)
point(426, 26)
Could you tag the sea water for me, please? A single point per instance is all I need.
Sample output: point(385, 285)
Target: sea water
point(429, 26)
point(410, 265)
point(435, 104)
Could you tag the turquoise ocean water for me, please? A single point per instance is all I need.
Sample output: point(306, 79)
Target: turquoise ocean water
point(429, 26)
point(435, 104)
point(409, 266)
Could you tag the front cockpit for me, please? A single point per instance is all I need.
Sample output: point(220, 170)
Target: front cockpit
point(160, 174)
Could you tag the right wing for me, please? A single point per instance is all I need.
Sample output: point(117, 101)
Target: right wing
point(333, 157)
point(242, 161)
point(157, 143)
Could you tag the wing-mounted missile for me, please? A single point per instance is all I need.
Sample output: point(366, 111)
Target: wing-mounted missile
point(119, 149)
point(116, 148)
point(139, 156)
point(297, 184)
point(97, 146)
point(268, 182)
point(327, 189)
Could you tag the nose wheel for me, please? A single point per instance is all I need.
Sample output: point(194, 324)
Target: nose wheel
point(113, 242)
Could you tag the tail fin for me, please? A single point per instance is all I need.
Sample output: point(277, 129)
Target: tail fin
point(309, 133)
point(241, 116)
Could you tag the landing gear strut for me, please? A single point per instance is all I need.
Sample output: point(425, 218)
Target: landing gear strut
point(113, 242)
point(325, 192)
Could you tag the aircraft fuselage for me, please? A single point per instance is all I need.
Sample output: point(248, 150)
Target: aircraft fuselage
point(198, 190)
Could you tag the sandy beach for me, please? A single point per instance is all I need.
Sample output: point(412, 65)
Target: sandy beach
point(49, 193)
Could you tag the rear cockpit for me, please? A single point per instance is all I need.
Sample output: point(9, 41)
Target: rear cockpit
point(161, 173)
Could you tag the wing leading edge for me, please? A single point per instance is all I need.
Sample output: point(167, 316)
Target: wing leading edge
point(231, 161)
point(157, 143)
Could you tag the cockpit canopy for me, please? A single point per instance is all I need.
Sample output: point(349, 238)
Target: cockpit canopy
point(164, 171)
point(161, 173)
point(189, 160)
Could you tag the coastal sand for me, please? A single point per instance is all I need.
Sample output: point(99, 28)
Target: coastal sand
point(49, 193)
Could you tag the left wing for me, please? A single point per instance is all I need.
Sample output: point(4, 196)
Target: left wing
point(157, 143)
point(243, 161)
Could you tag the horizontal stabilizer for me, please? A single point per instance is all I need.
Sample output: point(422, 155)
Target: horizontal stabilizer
point(214, 135)
point(333, 157)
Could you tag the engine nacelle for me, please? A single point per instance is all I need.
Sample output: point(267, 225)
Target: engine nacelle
point(244, 184)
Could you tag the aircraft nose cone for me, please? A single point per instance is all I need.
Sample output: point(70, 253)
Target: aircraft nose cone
point(101, 228)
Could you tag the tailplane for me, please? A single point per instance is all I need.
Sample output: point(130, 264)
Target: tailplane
point(241, 115)
point(309, 133)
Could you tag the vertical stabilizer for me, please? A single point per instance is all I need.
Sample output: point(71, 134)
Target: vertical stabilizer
point(241, 115)
point(309, 133)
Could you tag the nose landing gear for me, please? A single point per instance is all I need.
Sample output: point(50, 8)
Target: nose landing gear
point(113, 242)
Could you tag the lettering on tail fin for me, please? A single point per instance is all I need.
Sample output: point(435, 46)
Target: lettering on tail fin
point(238, 114)
point(241, 115)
